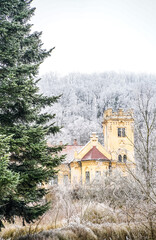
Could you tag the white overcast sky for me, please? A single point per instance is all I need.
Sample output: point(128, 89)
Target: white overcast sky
point(97, 35)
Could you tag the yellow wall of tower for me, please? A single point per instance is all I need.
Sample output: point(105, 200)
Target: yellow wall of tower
point(119, 145)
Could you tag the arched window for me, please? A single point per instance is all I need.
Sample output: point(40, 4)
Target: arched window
point(125, 158)
point(87, 173)
point(120, 158)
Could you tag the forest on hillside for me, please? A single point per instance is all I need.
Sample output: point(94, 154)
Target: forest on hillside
point(84, 97)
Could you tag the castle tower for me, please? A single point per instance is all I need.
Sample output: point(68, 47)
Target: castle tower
point(118, 130)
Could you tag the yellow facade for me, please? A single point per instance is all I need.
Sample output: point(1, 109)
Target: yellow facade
point(119, 145)
point(79, 167)
point(85, 164)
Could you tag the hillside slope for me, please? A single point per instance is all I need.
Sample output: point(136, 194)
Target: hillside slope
point(86, 96)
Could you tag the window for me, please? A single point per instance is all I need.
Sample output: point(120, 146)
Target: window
point(125, 158)
point(105, 172)
point(65, 179)
point(97, 174)
point(53, 181)
point(87, 176)
point(110, 167)
point(56, 180)
point(119, 158)
point(121, 132)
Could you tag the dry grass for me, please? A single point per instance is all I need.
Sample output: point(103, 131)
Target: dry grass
point(99, 213)
point(93, 232)
point(81, 219)
point(98, 223)
point(13, 232)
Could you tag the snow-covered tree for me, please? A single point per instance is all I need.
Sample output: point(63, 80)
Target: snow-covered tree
point(86, 96)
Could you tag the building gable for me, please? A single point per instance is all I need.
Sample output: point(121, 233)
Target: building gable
point(93, 149)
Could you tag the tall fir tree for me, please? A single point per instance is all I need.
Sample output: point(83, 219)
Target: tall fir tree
point(21, 104)
point(8, 179)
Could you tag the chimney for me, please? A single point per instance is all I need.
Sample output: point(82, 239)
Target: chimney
point(75, 142)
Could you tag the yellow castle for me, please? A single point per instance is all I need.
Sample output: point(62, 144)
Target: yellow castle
point(84, 164)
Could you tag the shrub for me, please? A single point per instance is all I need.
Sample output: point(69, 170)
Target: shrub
point(99, 214)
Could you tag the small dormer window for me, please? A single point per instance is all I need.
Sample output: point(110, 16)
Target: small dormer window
point(121, 132)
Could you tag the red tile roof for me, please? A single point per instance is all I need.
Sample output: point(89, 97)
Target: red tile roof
point(69, 151)
point(94, 154)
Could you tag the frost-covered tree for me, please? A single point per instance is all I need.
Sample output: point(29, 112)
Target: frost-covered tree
point(86, 96)
point(145, 157)
point(21, 105)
